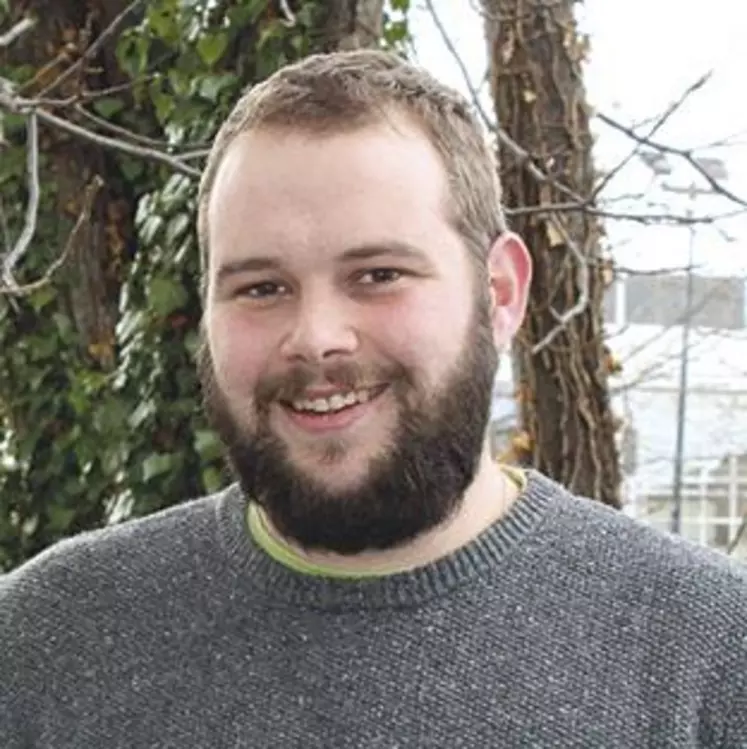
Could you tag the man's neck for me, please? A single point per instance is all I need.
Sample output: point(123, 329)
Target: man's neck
point(487, 499)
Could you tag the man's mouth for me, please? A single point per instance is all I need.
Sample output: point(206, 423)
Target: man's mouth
point(335, 402)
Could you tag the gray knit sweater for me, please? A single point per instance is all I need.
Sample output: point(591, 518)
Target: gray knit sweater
point(564, 625)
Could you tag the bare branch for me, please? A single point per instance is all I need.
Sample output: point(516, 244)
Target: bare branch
point(672, 219)
point(84, 96)
point(642, 218)
point(583, 285)
point(731, 548)
point(4, 229)
point(658, 123)
point(121, 131)
point(131, 149)
point(89, 197)
point(728, 141)
point(474, 94)
point(667, 271)
point(685, 154)
point(92, 50)
point(656, 368)
point(290, 16)
point(32, 208)
point(198, 153)
point(18, 30)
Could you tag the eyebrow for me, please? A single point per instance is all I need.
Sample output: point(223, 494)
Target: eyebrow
point(367, 251)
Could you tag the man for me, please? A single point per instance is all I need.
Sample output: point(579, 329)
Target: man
point(373, 579)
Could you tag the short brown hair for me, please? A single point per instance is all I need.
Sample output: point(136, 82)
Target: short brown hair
point(347, 90)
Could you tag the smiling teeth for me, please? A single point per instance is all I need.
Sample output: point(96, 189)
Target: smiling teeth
point(336, 402)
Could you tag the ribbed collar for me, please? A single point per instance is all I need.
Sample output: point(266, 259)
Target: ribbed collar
point(479, 558)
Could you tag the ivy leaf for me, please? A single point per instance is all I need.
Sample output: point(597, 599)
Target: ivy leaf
point(152, 225)
point(163, 21)
point(157, 464)
point(60, 518)
point(211, 47)
point(132, 54)
point(108, 106)
point(132, 168)
point(207, 445)
point(42, 297)
point(396, 32)
point(163, 103)
point(176, 228)
point(165, 295)
point(212, 479)
point(212, 85)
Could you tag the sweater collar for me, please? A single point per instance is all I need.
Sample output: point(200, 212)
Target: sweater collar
point(251, 565)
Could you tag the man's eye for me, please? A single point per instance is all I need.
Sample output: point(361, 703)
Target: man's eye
point(380, 276)
point(263, 290)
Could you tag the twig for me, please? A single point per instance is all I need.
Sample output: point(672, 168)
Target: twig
point(731, 548)
point(658, 123)
point(643, 218)
point(20, 28)
point(4, 230)
point(290, 17)
point(185, 152)
point(583, 285)
point(92, 50)
point(82, 97)
point(89, 197)
point(32, 208)
point(623, 270)
point(685, 154)
point(198, 153)
point(121, 131)
point(150, 154)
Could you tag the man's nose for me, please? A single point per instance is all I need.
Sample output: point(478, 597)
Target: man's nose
point(322, 328)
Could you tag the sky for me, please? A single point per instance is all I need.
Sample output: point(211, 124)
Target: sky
point(644, 55)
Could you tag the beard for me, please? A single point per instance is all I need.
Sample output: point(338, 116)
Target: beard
point(416, 482)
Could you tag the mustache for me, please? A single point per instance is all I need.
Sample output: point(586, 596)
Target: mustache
point(292, 384)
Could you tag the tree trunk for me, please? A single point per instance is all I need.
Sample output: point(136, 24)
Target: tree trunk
point(350, 24)
point(568, 428)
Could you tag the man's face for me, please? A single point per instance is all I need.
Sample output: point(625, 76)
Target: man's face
point(348, 354)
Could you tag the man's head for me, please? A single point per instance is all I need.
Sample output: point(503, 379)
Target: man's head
point(358, 284)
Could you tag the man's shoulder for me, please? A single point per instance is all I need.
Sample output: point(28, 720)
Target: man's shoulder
point(657, 564)
point(677, 608)
point(75, 568)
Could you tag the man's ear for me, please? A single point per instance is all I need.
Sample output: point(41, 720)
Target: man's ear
point(510, 275)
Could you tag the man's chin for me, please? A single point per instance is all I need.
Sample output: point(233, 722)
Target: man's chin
point(333, 475)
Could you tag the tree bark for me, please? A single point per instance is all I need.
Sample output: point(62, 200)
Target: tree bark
point(351, 24)
point(568, 427)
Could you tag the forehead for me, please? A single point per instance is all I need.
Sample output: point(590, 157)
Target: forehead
point(292, 192)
